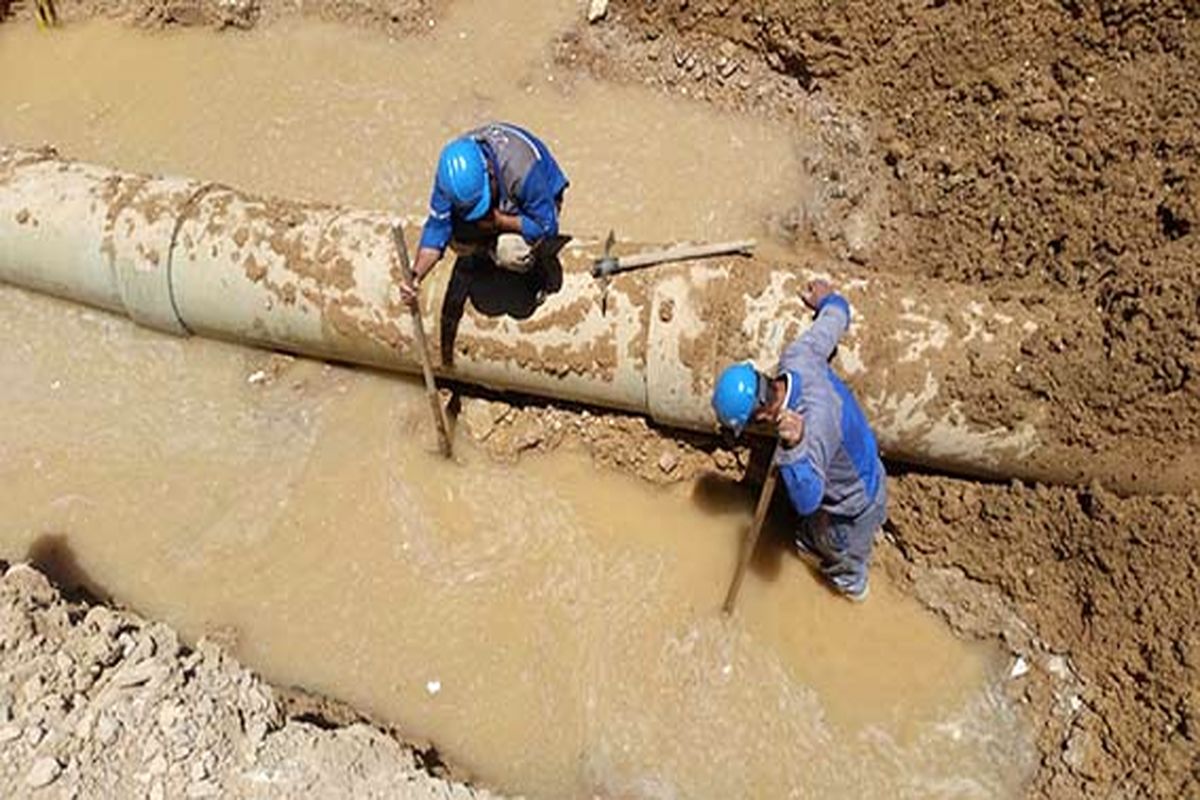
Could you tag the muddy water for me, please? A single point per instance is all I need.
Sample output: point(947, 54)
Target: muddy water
point(286, 111)
point(549, 626)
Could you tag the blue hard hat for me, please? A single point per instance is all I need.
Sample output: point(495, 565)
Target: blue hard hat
point(462, 174)
point(738, 393)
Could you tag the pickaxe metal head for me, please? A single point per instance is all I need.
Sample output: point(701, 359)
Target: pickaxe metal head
point(607, 264)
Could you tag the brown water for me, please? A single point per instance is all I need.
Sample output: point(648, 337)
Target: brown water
point(567, 615)
point(551, 627)
point(318, 111)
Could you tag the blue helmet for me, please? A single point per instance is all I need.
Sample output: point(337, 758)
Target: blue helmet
point(739, 391)
point(462, 174)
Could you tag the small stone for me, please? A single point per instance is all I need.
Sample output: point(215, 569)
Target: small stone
point(87, 722)
point(203, 789)
point(433, 687)
point(44, 773)
point(1019, 668)
point(1057, 666)
point(668, 461)
point(106, 729)
point(34, 735)
point(158, 765)
point(596, 10)
point(102, 619)
point(32, 689)
point(257, 377)
point(1079, 752)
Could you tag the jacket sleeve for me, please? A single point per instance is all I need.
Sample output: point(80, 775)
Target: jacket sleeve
point(438, 226)
point(805, 485)
point(833, 320)
point(539, 213)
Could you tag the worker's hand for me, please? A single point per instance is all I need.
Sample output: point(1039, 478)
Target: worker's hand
point(815, 292)
point(410, 292)
point(789, 426)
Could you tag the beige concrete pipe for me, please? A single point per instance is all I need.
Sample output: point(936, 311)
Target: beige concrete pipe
point(929, 361)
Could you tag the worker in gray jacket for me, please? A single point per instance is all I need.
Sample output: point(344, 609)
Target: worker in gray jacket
point(497, 191)
point(827, 454)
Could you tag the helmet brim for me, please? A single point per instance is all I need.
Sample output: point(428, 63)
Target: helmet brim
point(481, 208)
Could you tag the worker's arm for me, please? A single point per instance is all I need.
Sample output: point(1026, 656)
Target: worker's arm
point(833, 320)
point(805, 485)
point(806, 442)
point(539, 206)
point(427, 259)
point(435, 236)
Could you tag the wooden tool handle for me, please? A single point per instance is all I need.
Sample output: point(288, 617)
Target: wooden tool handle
point(684, 253)
point(748, 544)
point(435, 403)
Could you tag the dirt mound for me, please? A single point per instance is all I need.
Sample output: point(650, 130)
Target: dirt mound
point(1032, 150)
point(1109, 583)
point(96, 702)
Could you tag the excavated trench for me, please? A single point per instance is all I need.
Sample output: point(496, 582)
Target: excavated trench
point(548, 626)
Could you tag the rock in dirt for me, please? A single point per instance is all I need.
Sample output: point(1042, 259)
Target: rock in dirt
point(597, 9)
point(168, 721)
point(45, 771)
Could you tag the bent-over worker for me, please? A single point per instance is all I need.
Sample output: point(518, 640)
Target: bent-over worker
point(497, 191)
point(827, 456)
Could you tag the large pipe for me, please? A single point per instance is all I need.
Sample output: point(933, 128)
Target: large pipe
point(930, 361)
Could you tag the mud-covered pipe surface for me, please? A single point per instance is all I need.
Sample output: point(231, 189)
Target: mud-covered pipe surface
point(931, 362)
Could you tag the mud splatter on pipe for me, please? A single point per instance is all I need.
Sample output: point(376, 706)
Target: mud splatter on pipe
point(932, 362)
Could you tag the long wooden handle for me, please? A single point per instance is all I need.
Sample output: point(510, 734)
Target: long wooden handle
point(683, 253)
point(435, 403)
point(751, 540)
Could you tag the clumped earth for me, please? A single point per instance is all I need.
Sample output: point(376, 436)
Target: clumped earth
point(1036, 150)
point(97, 702)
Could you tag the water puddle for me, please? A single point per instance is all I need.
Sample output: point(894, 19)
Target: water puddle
point(285, 111)
point(551, 627)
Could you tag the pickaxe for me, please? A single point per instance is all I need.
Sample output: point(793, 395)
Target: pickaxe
point(608, 265)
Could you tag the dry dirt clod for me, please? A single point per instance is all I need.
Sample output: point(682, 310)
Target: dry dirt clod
point(44, 772)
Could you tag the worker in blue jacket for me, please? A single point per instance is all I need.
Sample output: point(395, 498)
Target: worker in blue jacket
point(827, 456)
point(498, 191)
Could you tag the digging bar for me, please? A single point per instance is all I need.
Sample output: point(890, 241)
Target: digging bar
point(435, 403)
point(748, 544)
